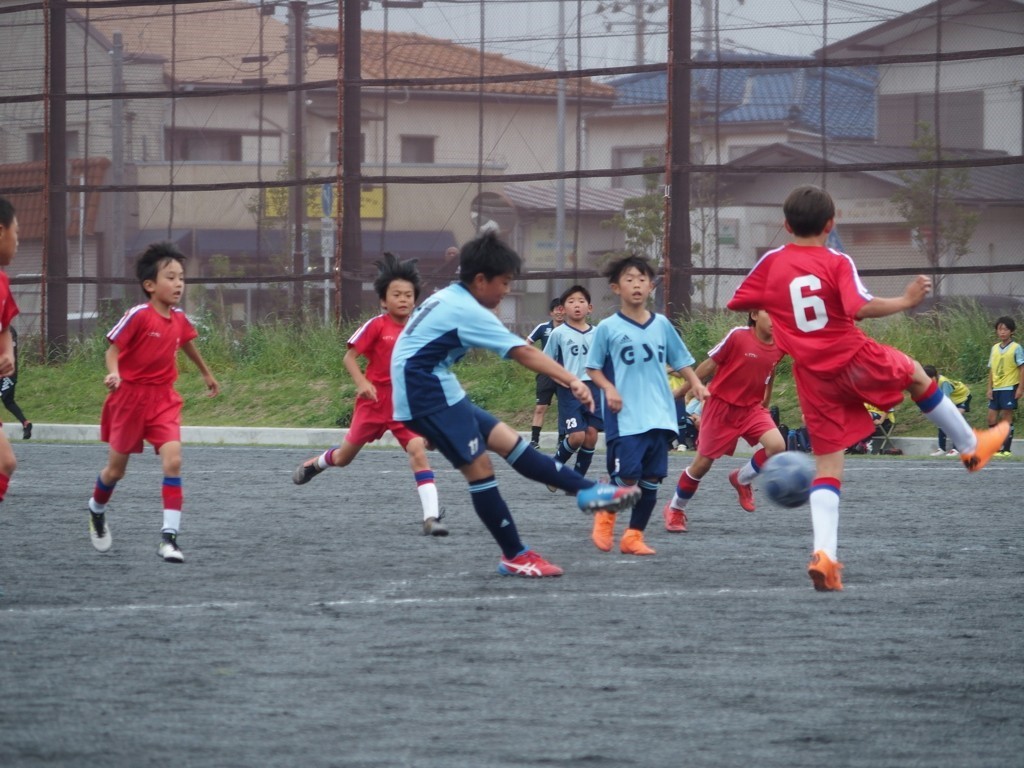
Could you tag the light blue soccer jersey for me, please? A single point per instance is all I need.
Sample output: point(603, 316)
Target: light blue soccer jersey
point(569, 347)
point(438, 335)
point(633, 357)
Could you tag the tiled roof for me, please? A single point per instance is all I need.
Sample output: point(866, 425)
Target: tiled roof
point(535, 197)
point(757, 95)
point(998, 184)
point(31, 207)
point(205, 53)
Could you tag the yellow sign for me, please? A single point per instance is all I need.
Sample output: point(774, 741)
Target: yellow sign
point(275, 203)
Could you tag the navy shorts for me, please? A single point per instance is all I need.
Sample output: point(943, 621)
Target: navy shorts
point(545, 389)
point(573, 417)
point(639, 457)
point(1003, 400)
point(459, 431)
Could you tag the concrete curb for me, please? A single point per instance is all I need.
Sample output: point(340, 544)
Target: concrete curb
point(321, 438)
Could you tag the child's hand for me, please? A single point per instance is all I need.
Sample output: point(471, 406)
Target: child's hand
point(614, 399)
point(212, 387)
point(582, 393)
point(112, 381)
point(367, 391)
point(917, 289)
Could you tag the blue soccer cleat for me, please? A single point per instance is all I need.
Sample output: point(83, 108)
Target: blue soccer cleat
point(610, 498)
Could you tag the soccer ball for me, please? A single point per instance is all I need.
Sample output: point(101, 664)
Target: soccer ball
point(786, 478)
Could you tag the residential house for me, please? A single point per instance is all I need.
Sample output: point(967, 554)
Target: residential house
point(182, 126)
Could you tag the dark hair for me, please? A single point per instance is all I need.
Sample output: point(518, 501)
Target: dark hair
point(614, 269)
point(489, 256)
point(808, 209)
point(1007, 321)
point(751, 322)
point(6, 212)
point(392, 269)
point(929, 371)
point(155, 256)
point(575, 289)
point(555, 304)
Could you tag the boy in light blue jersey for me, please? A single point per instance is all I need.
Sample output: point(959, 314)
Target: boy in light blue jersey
point(568, 345)
point(429, 399)
point(627, 361)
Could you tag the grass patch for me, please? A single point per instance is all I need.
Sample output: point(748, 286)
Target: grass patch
point(284, 375)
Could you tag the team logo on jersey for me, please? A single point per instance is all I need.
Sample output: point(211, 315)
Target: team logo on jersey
point(644, 354)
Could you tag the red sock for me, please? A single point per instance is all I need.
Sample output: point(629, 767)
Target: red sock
point(4, 482)
point(102, 492)
point(172, 493)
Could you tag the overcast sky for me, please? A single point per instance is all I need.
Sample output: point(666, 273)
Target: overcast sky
point(527, 30)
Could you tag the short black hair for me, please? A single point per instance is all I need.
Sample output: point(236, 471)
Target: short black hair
point(575, 289)
point(155, 256)
point(1007, 321)
point(808, 209)
point(391, 269)
point(6, 212)
point(555, 304)
point(614, 269)
point(490, 256)
point(929, 371)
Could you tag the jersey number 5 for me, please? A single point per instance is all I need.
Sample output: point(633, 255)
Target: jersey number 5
point(808, 310)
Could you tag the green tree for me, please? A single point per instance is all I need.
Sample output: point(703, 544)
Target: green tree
point(942, 228)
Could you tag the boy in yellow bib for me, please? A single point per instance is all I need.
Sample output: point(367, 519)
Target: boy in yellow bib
point(1005, 379)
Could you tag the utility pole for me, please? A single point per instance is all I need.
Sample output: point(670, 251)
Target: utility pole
point(296, 129)
point(560, 152)
point(350, 241)
point(55, 259)
point(118, 217)
point(678, 242)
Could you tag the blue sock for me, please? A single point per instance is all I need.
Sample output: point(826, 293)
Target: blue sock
point(494, 513)
point(531, 463)
point(564, 452)
point(583, 459)
point(645, 506)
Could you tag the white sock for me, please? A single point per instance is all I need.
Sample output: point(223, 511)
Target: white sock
point(428, 498)
point(950, 420)
point(95, 507)
point(825, 520)
point(321, 460)
point(747, 473)
point(172, 521)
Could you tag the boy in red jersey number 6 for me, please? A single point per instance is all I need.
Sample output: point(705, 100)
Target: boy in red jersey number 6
point(8, 311)
point(815, 298)
point(143, 404)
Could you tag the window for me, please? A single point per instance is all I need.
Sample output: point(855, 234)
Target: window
point(635, 157)
point(37, 146)
point(191, 145)
point(961, 118)
point(418, 149)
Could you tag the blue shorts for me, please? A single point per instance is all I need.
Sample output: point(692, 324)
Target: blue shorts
point(573, 417)
point(1003, 400)
point(459, 431)
point(639, 457)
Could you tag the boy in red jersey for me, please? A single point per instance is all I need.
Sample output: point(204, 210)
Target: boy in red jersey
point(398, 287)
point(743, 366)
point(143, 404)
point(815, 297)
point(8, 311)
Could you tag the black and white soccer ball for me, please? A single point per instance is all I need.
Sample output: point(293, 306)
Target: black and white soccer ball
point(786, 478)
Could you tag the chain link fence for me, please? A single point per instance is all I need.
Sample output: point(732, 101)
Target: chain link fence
point(284, 147)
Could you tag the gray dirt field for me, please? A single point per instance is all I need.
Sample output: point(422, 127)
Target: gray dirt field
point(314, 626)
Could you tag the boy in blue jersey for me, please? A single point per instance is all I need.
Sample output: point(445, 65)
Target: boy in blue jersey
point(545, 386)
point(430, 401)
point(568, 345)
point(627, 361)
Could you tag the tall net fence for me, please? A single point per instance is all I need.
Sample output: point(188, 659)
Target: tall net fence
point(284, 147)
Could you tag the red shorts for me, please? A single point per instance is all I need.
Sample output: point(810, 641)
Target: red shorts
point(722, 424)
point(372, 419)
point(133, 413)
point(833, 406)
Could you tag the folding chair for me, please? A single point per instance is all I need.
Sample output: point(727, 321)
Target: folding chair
point(881, 440)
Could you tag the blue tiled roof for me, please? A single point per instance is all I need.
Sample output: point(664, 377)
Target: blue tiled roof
point(772, 95)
